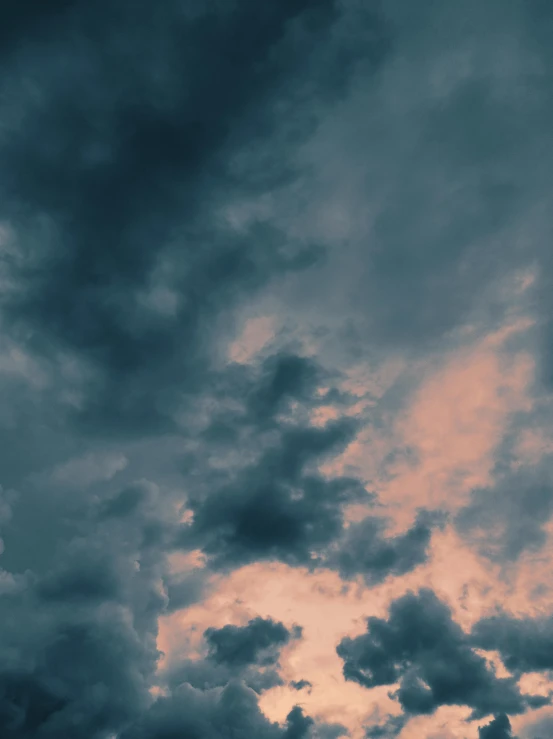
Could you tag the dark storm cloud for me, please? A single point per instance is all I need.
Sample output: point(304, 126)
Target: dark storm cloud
point(250, 653)
point(367, 551)
point(428, 178)
point(525, 644)
point(130, 130)
point(118, 168)
point(230, 711)
point(127, 130)
point(253, 398)
point(388, 730)
point(205, 674)
point(420, 647)
point(278, 506)
point(498, 728)
point(257, 642)
point(24, 19)
point(299, 726)
point(509, 517)
point(300, 685)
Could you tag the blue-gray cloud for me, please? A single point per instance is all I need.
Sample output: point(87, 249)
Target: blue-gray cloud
point(498, 728)
point(366, 170)
point(508, 518)
point(421, 648)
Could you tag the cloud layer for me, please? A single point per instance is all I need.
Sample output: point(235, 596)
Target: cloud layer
point(275, 369)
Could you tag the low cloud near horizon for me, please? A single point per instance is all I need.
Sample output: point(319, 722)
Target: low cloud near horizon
point(276, 369)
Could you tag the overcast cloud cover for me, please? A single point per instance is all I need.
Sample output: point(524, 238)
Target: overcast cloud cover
point(276, 369)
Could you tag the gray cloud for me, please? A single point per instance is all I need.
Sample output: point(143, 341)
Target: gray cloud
point(420, 647)
point(268, 500)
point(498, 728)
point(366, 551)
point(367, 172)
point(250, 653)
point(250, 644)
point(426, 182)
point(523, 643)
point(214, 713)
point(78, 645)
point(390, 728)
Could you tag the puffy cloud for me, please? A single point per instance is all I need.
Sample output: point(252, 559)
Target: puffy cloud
point(250, 644)
point(231, 711)
point(421, 648)
point(523, 643)
point(79, 643)
point(510, 517)
point(367, 551)
point(362, 173)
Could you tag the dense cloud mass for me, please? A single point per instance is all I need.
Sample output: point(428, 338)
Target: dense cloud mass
point(498, 728)
point(365, 550)
point(249, 652)
point(229, 711)
point(523, 643)
point(275, 508)
point(509, 518)
point(422, 650)
point(275, 359)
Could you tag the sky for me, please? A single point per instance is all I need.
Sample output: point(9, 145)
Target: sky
point(276, 369)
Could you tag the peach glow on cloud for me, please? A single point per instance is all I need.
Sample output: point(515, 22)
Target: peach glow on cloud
point(276, 369)
point(452, 425)
point(454, 421)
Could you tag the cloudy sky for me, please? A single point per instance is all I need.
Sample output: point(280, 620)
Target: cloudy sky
point(276, 369)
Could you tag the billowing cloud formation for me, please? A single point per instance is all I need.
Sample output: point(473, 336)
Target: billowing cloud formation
point(523, 643)
point(226, 711)
point(249, 652)
point(275, 288)
point(426, 652)
point(391, 728)
point(510, 517)
point(365, 550)
point(275, 508)
point(113, 192)
point(278, 506)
